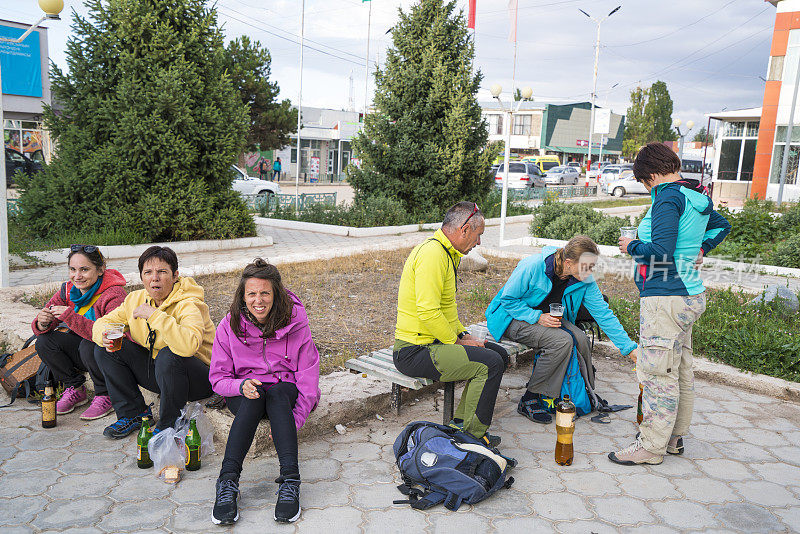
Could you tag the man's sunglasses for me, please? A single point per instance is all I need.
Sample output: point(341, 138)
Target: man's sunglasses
point(89, 249)
point(474, 211)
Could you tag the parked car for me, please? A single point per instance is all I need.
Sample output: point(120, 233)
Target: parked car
point(574, 164)
point(611, 172)
point(545, 163)
point(16, 160)
point(624, 185)
point(249, 185)
point(562, 175)
point(520, 175)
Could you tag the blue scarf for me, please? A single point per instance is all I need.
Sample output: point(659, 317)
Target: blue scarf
point(82, 300)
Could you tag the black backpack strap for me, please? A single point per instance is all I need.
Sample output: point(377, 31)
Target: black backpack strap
point(63, 292)
point(453, 501)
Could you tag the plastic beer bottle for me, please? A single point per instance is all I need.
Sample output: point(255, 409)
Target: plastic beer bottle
point(565, 426)
point(145, 433)
point(639, 413)
point(193, 447)
point(48, 407)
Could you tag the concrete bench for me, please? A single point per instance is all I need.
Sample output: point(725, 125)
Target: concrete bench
point(380, 364)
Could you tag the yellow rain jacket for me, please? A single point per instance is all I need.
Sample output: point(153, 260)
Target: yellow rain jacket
point(182, 322)
point(426, 300)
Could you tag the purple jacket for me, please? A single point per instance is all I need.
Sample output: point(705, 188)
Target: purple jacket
point(290, 356)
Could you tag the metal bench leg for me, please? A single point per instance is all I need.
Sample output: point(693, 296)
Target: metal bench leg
point(396, 398)
point(449, 401)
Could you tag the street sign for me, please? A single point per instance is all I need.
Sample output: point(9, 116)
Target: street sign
point(602, 121)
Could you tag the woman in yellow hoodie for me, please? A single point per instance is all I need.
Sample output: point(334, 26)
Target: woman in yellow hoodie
point(172, 334)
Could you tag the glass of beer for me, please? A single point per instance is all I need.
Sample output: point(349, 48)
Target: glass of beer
point(114, 333)
point(628, 231)
point(556, 310)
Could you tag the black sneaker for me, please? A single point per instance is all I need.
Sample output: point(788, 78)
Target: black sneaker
point(125, 426)
point(535, 410)
point(287, 509)
point(225, 510)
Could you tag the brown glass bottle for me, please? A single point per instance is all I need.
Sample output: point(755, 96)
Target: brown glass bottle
point(143, 460)
point(48, 407)
point(193, 447)
point(639, 413)
point(565, 426)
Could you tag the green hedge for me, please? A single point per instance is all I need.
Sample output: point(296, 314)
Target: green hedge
point(558, 220)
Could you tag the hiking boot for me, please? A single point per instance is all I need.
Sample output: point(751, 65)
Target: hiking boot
point(535, 410)
point(675, 445)
point(100, 407)
point(287, 509)
point(226, 511)
point(71, 398)
point(126, 425)
point(635, 454)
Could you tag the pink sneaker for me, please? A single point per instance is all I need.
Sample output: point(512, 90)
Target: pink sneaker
point(71, 398)
point(100, 407)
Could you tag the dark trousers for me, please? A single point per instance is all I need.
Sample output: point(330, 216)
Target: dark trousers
point(68, 356)
point(177, 379)
point(481, 367)
point(276, 175)
point(276, 403)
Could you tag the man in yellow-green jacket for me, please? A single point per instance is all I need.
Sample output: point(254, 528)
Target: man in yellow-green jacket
point(167, 349)
point(430, 341)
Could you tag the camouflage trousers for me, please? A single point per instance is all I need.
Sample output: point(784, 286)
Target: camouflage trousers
point(664, 367)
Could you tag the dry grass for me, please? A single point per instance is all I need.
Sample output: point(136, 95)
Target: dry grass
point(351, 301)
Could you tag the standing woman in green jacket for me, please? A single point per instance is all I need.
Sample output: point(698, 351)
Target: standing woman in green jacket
point(679, 229)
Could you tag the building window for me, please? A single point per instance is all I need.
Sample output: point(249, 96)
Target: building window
point(752, 129)
point(522, 125)
point(729, 159)
point(495, 124)
point(734, 129)
point(777, 161)
point(738, 151)
point(775, 68)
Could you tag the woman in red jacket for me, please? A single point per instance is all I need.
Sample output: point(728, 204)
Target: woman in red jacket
point(91, 292)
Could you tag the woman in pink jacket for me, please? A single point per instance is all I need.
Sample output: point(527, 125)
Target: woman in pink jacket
point(91, 292)
point(264, 363)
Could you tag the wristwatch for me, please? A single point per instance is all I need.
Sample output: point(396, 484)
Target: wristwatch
point(462, 334)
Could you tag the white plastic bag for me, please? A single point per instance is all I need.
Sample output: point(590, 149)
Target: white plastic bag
point(168, 454)
point(194, 410)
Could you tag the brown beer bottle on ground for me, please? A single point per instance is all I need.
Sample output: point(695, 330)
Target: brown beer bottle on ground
point(143, 459)
point(639, 413)
point(193, 447)
point(49, 407)
point(565, 426)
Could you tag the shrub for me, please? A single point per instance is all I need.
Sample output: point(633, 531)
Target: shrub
point(789, 223)
point(787, 252)
point(606, 232)
point(491, 204)
point(550, 211)
point(753, 230)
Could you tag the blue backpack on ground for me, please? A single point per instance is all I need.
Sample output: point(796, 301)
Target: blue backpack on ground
point(441, 464)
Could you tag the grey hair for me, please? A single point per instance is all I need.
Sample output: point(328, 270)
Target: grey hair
point(458, 215)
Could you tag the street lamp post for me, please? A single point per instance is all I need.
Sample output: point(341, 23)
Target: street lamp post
point(51, 9)
point(508, 117)
point(689, 126)
point(594, 80)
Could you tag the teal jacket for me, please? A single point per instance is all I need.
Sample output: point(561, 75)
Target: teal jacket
point(680, 222)
point(528, 286)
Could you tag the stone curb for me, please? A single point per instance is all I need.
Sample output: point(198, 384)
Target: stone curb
point(180, 247)
point(351, 231)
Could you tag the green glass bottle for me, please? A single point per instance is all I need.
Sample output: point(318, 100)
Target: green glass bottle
point(193, 447)
point(142, 440)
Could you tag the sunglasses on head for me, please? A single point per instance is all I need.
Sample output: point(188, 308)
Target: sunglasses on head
point(89, 249)
point(474, 211)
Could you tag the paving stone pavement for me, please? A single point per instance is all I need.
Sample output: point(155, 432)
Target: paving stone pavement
point(740, 473)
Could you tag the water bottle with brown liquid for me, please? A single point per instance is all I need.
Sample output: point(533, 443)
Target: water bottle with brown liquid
point(49, 407)
point(565, 427)
point(639, 413)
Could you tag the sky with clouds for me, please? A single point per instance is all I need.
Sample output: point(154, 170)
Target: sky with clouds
point(711, 53)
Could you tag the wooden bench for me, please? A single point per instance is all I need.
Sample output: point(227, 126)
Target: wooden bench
point(380, 364)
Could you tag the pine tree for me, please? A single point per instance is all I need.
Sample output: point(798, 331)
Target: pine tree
point(271, 121)
point(637, 127)
point(426, 143)
point(702, 136)
point(148, 127)
point(659, 113)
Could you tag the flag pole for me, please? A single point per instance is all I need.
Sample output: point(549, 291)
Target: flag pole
point(366, 65)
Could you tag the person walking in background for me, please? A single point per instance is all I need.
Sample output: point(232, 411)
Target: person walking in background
point(264, 362)
point(276, 170)
point(679, 229)
point(91, 292)
point(263, 169)
point(430, 341)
